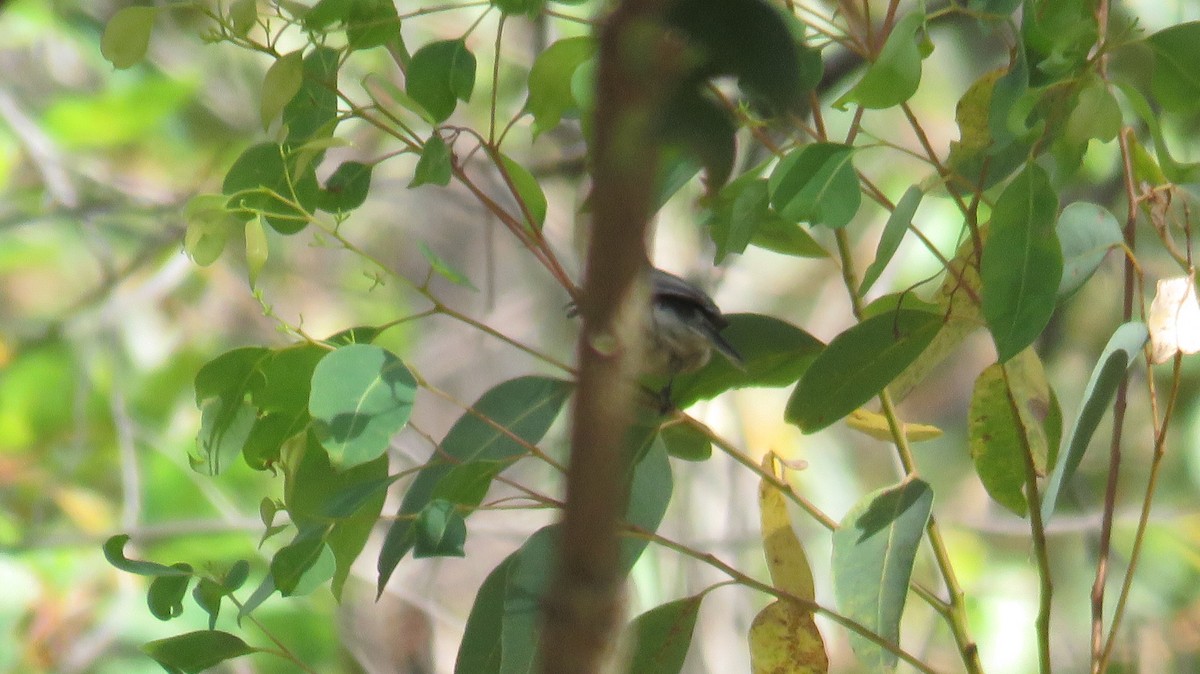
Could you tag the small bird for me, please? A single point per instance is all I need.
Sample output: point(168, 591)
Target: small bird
point(681, 330)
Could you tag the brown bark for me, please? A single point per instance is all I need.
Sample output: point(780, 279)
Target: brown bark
point(638, 66)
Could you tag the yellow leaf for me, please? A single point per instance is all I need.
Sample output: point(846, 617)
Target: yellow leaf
point(875, 425)
point(784, 639)
point(786, 560)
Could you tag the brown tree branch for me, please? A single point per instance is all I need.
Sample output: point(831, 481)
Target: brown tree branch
point(639, 65)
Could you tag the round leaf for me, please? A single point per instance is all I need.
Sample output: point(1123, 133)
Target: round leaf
point(127, 36)
point(361, 396)
point(440, 74)
point(550, 80)
point(280, 85)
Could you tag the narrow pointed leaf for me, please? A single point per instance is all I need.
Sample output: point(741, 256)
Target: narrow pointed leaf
point(774, 353)
point(662, 636)
point(786, 559)
point(893, 234)
point(873, 553)
point(195, 652)
point(1022, 262)
point(1123, 348)
point(479, 650)
point(857, 365)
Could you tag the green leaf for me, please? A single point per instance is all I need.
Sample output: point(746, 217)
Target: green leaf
point(1174, 170)
point(739, 208)
point(893, 77)
point(347, 188)
point(873, 554)
point(701, 127)
point(1176, 82)
point(313, 112)
point(114, 552)
point(527, 191)
point(208, 595)
point(748, 39)
point(817, 185)
point(1096, 115)
point(957, 299)
point(649, 496)
point(223, 435)
point(530, 8)
point(165, 596)
point(550, 94)
point(467, 483)
point(521, 408)
point(127, 36)
point(858, 364)
point(684, 441)
point(1086, 232)
point(243, 14)
point(264, 180)
point(435, 165)
point(479, 650)
point(209, 226)
point(263, 592)
point(256, 249)
point(786, 238)
point(293, 561)
point(280, 85)
point(893, 233)
point(195, 652)
point(361, 396)
point(346, 503)
point(444, 269)
point(663, 635)
point(440, 74)
point(372, 23)
point(1122, 349)
point(284, 379)
point(1022, 262)
point(528, 579)
point(441, 531)
point(775, 353)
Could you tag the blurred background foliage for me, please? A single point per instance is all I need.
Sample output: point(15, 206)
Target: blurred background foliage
point(104, 322)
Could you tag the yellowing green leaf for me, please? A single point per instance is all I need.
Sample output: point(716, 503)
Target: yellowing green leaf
point(784, 639)
point(786, 559)
point(875, 425)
